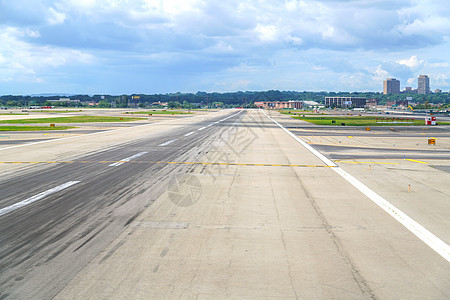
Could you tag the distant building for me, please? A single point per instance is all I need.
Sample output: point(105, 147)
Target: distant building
point(391, 86)
point(64, 100)
point(438, 91)
point(279, 104)
point(410, 90)
point(397, 103)
point(345, 102)
point(423, 84)
point(371, 103)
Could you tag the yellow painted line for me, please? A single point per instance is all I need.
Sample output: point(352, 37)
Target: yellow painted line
point(417, 161)
point(350, 137)
point(362, 146)
point(166, 162)
point(365, 162)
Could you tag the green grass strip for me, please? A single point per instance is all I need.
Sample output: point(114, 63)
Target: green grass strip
point(75, 119)
point(363, 121)
point(33, 128)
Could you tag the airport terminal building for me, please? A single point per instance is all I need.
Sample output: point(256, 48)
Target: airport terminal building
point(280, 104)
point(345, 102)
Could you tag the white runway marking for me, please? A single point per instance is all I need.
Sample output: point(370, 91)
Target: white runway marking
point(167, 143)
point(418, 230)
point(127, 159)
point(37, 197)
point(201, 128)
point(188, 134)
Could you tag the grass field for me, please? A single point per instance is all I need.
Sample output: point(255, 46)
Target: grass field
point(363, 121)
point(33, 128)
point(159, 112)
point(76, 119)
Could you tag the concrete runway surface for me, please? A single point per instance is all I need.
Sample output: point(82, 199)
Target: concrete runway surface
point(224, 205)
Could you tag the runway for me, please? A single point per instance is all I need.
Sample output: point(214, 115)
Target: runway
point(228, 205)
point(64, 230)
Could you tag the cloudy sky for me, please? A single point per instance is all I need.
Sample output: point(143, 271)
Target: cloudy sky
point(163, 46)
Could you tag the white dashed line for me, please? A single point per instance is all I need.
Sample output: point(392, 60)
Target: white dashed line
point(116, 164)
point(37, 197)
point(167, 143)
point(201, 128)
point(188, 134)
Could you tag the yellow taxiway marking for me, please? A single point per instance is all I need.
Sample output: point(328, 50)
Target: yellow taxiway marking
point(166, 162)
point(364, 146)
point(365, 162)
point(417, 161)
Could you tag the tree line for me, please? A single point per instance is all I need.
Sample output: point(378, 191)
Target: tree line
point(204, 99)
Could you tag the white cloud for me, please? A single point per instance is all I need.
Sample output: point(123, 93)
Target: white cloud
point(55, 17)
point(233, 85)
point(295, 40)
point(220, 47)
point(32, 33)
point(379, 74)
point(439, 65)
point(266, 33)
point(439, 79)
point(413, 62)
point(23, 61)
point(411, 81)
